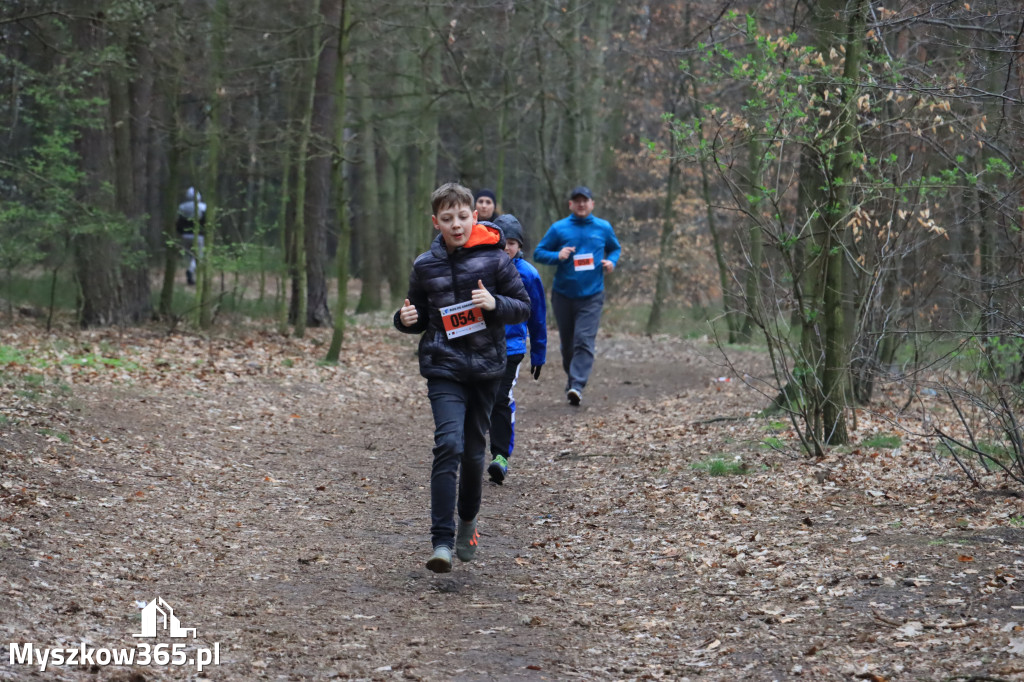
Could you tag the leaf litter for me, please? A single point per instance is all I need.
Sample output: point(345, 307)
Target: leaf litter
point(280, 505)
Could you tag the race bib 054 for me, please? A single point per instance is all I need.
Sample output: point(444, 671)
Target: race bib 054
point(461, 319)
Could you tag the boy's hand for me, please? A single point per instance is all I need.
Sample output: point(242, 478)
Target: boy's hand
point(408, 314)
point(482, 297)
point(566, 252)
point(607, 265)
point(535, 371)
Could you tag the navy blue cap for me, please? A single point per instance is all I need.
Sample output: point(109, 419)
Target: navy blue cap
point(577, 191)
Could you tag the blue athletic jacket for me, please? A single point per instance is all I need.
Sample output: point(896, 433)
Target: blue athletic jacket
point(536, 326)
point(590, 235)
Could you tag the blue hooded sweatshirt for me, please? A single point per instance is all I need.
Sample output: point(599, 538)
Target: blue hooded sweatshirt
point(536, 326)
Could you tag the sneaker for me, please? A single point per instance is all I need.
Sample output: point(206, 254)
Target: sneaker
point(498, 469)
point(574, 396)
point(441, 560)
point(467, 540)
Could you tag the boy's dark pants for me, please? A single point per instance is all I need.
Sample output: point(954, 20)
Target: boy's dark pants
point(462, 411)
point(503, 416)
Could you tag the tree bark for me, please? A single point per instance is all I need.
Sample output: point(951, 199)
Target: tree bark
point(305, 131)
point(318, 194)
point(215, 131)
point(368, 225)
point(339, 185)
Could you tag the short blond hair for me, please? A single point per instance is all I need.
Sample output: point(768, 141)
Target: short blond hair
point(450, 195)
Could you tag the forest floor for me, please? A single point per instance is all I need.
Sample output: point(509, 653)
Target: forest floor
point(280, 507)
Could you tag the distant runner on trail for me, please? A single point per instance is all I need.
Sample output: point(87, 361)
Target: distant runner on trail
point(462, 293)
point(503, 416)
point(584, 247)
point(191, 215)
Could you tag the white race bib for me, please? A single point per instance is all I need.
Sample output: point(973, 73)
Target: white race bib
point(462, 318)
point(583, 261)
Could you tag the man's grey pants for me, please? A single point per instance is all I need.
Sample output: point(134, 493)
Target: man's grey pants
point(578, 319)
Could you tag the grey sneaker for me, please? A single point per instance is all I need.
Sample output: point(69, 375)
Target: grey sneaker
point(441, 560)
point(467, 540)
point(574, 396)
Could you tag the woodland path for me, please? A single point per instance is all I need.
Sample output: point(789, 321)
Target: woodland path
point(281, 508)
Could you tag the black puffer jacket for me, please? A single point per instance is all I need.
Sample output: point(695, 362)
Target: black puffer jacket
point(440, 279)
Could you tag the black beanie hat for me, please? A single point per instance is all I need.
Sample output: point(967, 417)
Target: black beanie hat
point(485, 193)
point(511, 228)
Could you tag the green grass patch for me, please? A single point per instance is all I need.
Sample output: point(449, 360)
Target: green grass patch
point(10, 355)
point(1017, 521)
point(37, 290)
point(882, 440)
point(63, 437)
point(678, 321)
point(995, 455)
point(34, 380)
point(773, 443)
point(942, 541)
point(719, 466)
point(93, 360)
point(999, 451)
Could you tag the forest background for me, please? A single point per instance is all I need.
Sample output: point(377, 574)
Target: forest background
point(839, 180)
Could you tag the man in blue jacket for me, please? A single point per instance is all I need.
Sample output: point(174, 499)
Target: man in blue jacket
point(503, 415)
point(584, 248)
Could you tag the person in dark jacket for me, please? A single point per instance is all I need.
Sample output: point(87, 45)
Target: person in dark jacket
point(503, 416)
point(191, 215)
point(462, 293)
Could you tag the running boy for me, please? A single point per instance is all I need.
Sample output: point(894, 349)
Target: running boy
point(462, 293)
point(503, 416)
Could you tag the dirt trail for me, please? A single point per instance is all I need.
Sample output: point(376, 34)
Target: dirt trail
point(284, 515)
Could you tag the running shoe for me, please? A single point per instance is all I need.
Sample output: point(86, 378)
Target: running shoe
point(498, 469)
point(467, 540)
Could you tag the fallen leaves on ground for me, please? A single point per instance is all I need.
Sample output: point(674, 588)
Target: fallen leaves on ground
point(281, 505)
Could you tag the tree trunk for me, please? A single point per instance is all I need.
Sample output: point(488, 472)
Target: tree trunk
point(338, 183)
point(109, 293)
point(668, 225)
point(318, 194)
point(305, 130)
point(428, 120)
point(368, 223)
point(836, 374)
point(215, 131)
point(751, 187)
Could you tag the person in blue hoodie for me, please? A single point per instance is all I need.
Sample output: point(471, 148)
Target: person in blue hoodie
point(585, 248)
point(503, 414)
